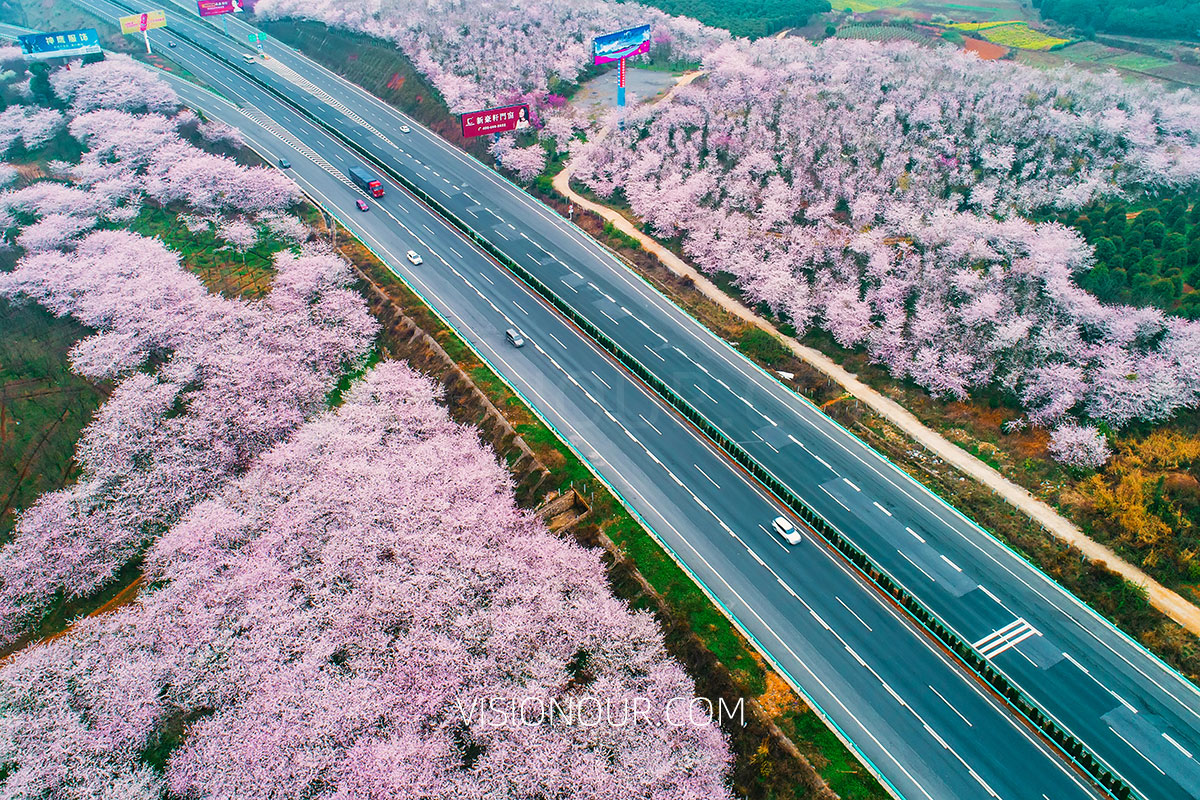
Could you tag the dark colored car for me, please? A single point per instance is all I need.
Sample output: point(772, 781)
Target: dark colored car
point(362, 205)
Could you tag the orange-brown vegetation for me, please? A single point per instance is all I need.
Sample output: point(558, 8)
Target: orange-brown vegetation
point(778, 699)
point(1146, 502)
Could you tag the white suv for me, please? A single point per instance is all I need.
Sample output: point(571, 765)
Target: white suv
point(786, 530)
point(412, 257)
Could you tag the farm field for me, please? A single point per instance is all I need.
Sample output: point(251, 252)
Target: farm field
point(986, 50)
point(886, 33)
point(1096, 57)
point(1138, 61)
point(982, 26)
point(1001, 10)
point(1188, 74)
point(1011, 34)
point(866, 6)
point(1006, 29)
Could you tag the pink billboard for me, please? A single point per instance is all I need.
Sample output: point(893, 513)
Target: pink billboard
point(212, 8)
point(495, 120)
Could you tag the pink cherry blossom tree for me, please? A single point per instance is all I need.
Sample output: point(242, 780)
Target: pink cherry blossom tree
point(218, 132)
point(527, 162)
point(32, 127)
point(1079, 446)
point(235, 378)
point(317, 640)
point(116, 82)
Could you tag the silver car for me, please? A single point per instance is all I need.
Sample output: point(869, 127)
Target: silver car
point(786, 530)
point(514, 337)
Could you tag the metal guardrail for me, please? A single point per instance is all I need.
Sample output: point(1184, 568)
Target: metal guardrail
point(1072, 747)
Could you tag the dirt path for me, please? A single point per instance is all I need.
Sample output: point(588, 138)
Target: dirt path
point(1168, 602)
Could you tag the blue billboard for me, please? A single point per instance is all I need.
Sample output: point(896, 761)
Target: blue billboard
point(622, 44)
point(63, 44)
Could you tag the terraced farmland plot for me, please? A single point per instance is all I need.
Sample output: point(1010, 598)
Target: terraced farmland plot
point(1138, 61)
point(865, 6)
point(988, 51)
point(885, 33)
point(964, 11)
point(1177, 71)
point(981, 26)
point(1012, 34)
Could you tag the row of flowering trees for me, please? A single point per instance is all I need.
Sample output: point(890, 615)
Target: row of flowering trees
point(203, 383)
point(230, 378)
point(334, 603)
point(358, 616)
point(878, 192)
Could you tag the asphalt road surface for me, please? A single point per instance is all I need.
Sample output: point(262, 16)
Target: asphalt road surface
point(917, 718)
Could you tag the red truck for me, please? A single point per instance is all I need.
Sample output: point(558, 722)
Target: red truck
point(369, 183)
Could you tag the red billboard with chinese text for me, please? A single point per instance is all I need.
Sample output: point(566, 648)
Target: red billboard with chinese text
point(211, 8)
point(495, 120)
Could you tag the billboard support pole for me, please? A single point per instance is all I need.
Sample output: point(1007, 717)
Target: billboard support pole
point(225, 23)
point(621, 84)
point(621, 93)
point(146, 37)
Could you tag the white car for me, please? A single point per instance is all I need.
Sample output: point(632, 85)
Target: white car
point(514, 337)
point(786, 530)
point(405, 129)
point(412, 257)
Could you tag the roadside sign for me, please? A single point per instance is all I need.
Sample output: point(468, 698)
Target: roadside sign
point(140, 23)
point(257, 38)
point(495, 120)
point(621, 45)
point(61, 44)
point(211, 8)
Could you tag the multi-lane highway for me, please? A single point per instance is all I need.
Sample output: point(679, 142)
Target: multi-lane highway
point(917, 718)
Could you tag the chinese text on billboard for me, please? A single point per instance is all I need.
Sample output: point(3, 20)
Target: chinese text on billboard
point(495, 120)
point(136, 23)
point(62, 44)
point(211, 8)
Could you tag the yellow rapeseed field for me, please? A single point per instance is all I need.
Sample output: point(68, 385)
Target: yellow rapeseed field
point(1012, 33)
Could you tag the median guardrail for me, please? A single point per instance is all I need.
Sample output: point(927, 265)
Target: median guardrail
point(1070, 745)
